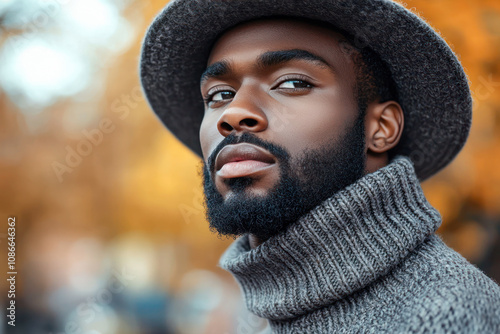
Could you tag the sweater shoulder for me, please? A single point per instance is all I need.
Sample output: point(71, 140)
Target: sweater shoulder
point(455, 295)
point(435, 264)
point(457, 309)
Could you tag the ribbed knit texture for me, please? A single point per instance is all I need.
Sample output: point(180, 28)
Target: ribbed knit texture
point(366, 260)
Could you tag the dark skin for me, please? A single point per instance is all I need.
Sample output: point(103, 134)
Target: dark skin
point(300, 99)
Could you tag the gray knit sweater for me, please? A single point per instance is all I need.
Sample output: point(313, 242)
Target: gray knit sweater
point(365, 261)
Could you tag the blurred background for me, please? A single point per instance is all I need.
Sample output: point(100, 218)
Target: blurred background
point(110, 228)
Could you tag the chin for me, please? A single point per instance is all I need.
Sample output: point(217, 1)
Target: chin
point(245, 188)
point(253, 193)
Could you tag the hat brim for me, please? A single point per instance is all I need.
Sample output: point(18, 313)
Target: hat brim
point(432, 87)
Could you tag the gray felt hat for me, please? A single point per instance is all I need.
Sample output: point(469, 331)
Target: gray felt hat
point(432, 86)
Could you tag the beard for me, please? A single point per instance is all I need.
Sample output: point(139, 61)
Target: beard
point(304, 183)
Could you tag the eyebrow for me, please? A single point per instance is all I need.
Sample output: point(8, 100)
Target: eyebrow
point(267, 59)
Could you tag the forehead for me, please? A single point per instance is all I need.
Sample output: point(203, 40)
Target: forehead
point(250, 39)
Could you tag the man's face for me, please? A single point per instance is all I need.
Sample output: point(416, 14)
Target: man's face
point(281, 130)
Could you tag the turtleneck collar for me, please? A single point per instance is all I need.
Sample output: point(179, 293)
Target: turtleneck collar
point(342, 245)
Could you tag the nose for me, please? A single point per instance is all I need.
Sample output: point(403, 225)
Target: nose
point(242, 114)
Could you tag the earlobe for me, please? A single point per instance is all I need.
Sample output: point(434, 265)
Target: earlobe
point(384, 124)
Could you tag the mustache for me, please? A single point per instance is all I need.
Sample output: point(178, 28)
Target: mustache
point(278, 151)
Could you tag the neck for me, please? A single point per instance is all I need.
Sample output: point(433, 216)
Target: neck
point(254, 241)
point(342, 245)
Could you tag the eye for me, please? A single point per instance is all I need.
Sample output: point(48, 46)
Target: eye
point(224, 95)
point(294, 84)
point(218, 96)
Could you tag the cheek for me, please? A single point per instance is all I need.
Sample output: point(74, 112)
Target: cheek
point(316, 122)
point(209, 136)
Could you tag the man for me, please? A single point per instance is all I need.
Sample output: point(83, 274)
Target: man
point(315, 121)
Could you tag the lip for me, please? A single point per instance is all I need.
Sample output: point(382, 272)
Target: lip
point(242, 160)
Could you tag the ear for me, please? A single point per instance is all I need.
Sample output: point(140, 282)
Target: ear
point(384, 124)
